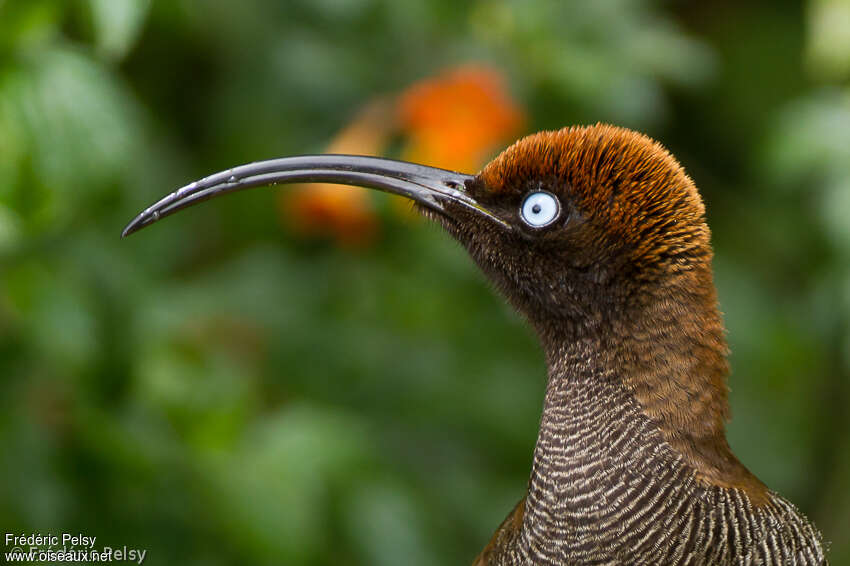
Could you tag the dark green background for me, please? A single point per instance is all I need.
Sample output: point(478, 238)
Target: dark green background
point(218, 391)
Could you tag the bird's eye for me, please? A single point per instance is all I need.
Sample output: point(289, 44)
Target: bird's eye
point(539, 209)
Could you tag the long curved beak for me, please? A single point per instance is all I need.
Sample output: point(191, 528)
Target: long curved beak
point(430, 187)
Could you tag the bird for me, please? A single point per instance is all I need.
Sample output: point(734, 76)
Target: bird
point(597, 236)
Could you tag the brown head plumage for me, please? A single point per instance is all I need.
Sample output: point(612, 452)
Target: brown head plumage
point(645, 210)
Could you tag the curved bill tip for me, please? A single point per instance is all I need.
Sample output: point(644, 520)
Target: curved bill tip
point(136, 224)
point(429, 186)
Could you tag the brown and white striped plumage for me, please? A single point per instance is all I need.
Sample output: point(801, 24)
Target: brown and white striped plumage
point(607, 489)
point(631, 465)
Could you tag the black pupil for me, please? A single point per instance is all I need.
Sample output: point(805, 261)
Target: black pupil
point(536, 208)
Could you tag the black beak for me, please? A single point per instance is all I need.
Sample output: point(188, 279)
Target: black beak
point(430, 187)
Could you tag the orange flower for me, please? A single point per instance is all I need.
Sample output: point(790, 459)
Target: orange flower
point(344, 213)
point(456, 119)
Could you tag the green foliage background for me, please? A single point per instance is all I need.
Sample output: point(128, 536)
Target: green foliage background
point(220, 392)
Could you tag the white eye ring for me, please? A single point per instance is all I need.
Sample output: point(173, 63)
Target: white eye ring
point(539, 209)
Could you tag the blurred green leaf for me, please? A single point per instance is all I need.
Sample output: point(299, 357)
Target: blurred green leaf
point(828, 48)
point(10, 230)
point(117, 24)
point(811, 137)
point(73, 132)
point(604, 58)
point(26, 24)
point(293, 461)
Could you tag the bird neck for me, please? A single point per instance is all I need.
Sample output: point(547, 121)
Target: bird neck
point(608, 487)
point(664, 355)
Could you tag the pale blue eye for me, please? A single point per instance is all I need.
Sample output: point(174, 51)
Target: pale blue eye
point(539, 209)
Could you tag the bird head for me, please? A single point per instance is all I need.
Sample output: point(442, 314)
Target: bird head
point(596, 222)
point(576, 227)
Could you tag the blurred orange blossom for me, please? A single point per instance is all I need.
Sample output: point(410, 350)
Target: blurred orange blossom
point(345, 213)
point(454, 120)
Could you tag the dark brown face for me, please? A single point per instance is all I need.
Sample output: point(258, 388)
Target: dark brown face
point(595, 214)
